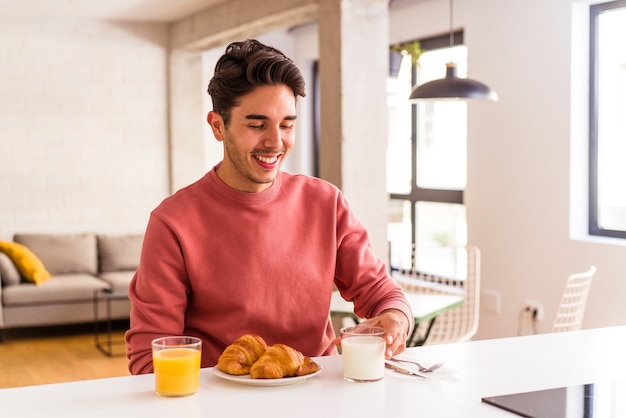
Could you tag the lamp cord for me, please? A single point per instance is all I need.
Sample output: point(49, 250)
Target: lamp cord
point(451, 27)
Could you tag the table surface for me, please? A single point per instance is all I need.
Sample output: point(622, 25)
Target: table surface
point(425, 306)
point(472, 370)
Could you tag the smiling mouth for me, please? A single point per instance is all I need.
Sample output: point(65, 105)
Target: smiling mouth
point(267, 159)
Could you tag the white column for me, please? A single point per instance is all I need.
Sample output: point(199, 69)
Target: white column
point(188, 157)
point(354, 59)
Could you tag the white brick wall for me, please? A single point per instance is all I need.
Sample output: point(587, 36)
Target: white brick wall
point(83, 125)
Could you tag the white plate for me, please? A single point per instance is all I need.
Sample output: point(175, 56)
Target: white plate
point(247, 380)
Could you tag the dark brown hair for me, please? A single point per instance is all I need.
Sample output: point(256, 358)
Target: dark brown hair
point(245, 66)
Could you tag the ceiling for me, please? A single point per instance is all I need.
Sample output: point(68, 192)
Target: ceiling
point(135, 10)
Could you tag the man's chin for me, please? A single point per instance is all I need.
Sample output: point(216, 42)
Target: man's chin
point(265, 176)
point(266, 180)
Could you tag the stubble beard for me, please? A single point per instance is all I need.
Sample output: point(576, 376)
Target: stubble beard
point(241, 162)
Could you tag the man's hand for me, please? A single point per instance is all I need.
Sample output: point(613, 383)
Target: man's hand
point(396, 324)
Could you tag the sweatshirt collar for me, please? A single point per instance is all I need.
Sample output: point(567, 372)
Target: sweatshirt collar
point(243, 197)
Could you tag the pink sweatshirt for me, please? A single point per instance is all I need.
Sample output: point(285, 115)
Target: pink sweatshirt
point(217, 263)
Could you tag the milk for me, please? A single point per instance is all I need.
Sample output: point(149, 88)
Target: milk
point(363, 357)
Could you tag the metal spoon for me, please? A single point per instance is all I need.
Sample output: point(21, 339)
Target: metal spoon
point(421, 368)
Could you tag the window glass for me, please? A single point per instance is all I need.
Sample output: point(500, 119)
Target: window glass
point(442, 126)
point(611, 120)
point(440, 229)
point(399, 152)
point(440, 224)
point(441, 232)
point(441, 146)
point(442, 261)
point(399, 233)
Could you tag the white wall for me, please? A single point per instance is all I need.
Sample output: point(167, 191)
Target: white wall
point(83, 125)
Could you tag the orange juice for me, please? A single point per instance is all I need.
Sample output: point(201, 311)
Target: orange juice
point(176, 371)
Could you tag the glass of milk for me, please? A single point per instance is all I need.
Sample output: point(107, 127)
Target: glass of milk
point(363, 352)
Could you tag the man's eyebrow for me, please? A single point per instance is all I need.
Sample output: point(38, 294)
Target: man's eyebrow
point(254, 116)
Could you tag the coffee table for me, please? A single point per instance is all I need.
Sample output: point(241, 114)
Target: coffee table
point(105, 343)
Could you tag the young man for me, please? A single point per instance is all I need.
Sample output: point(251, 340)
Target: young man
point(249, 248)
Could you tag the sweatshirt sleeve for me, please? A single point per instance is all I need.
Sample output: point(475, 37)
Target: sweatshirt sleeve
point(157, 293)
point(360, 276)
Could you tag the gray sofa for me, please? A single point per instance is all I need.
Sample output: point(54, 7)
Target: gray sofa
point(79, 264)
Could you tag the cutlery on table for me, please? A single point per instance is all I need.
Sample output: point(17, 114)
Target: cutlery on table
point(403, 370)
point(421, 368)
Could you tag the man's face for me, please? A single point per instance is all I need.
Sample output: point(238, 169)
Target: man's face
point(261, 133)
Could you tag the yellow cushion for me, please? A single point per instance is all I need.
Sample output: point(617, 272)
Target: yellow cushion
point(28, 264)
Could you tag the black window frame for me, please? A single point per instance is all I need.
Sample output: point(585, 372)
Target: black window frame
point(594, 226)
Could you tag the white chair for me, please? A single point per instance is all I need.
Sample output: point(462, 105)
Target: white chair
point(569, 316)
point(458, 324)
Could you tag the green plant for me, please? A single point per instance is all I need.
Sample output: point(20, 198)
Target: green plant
point(442, 239)
point(413, 48)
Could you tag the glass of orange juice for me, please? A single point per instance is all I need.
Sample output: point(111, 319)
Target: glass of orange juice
point(176, 362)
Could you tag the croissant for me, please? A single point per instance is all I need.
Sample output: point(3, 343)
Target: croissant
point(280, 361)
point(307, 367)
point(241, 354)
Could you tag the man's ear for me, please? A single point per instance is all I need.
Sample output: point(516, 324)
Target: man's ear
point(217, 125)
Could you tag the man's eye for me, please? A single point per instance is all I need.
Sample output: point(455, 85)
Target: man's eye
point(256, 126)
point(286, 126)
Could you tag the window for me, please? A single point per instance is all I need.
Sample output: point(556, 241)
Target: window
point(426, 157)
point(607, 120)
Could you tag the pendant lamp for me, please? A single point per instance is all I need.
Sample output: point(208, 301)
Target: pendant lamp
point(452, 87)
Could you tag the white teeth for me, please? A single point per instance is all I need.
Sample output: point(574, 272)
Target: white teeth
point(266, 159)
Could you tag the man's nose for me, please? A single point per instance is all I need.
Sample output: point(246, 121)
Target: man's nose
point(273, 137)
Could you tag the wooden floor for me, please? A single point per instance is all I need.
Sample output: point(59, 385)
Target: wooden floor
point(57, 354)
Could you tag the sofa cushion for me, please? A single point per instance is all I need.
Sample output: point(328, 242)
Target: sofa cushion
point(28, 264)
point(119, 252)
point(8, 271)
point(118, 280)
point(64, 253)
point(59, 289)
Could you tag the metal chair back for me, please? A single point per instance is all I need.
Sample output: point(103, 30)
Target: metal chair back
point(569, 316)
point(458, 324)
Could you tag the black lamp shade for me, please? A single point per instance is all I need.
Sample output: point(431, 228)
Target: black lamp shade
point(453, 88)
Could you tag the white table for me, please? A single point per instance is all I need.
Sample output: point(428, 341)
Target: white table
point(425, 306)
point(472, 370)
